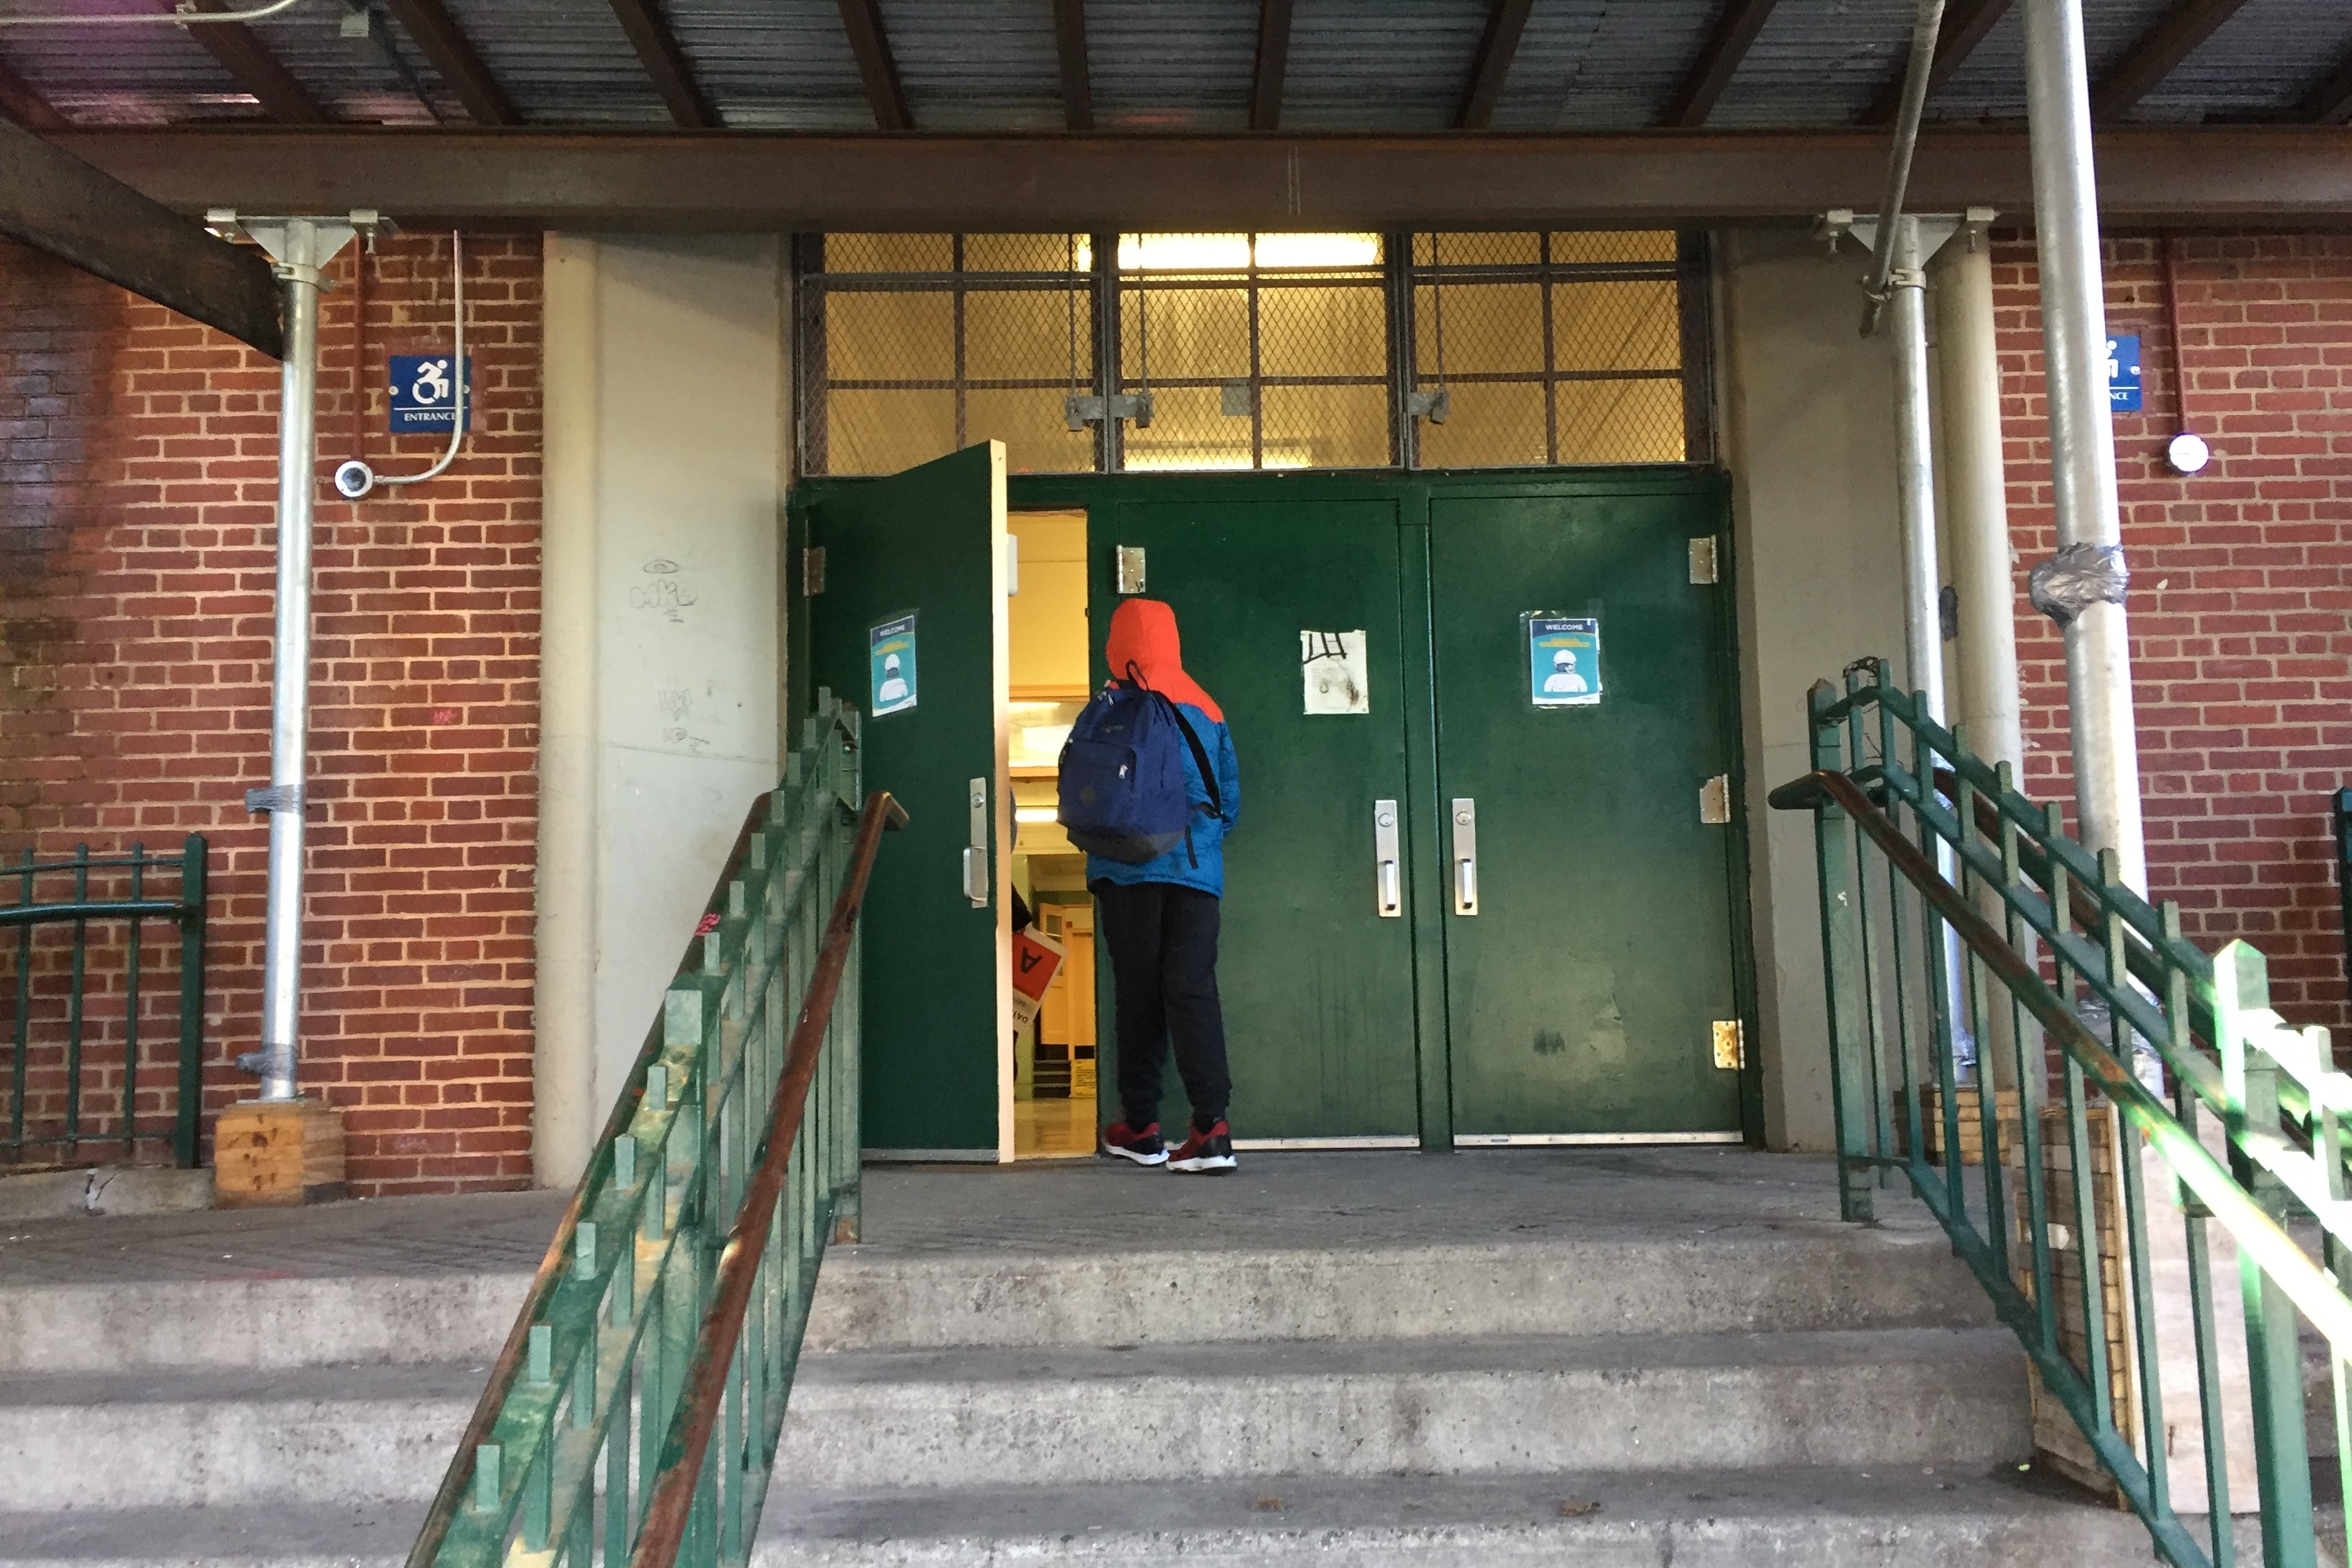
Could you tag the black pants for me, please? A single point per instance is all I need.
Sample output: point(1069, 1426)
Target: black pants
point(1164, 964)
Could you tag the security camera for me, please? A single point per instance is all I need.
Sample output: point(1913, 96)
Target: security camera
point(355, 480)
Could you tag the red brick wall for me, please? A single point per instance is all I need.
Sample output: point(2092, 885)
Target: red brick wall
point(2242, 584)
point(137, 482)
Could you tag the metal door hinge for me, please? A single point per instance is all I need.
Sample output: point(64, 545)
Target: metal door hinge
point(1130, 568)
point(812, 571)
point(1730, 1044)
point(1702, 560)
point(1715, 800)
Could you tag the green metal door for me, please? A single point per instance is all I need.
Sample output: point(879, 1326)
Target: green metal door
point(1582, 995)
point(1317, 981)
point(929, 544)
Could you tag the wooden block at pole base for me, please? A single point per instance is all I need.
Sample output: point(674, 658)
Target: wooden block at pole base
point(278, 1154)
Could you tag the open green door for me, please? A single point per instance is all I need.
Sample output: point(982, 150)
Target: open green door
point(911, 629)
point(1316, 951)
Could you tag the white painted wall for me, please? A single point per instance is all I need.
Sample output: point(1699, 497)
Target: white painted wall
point(661, 662)
point(1808, 415)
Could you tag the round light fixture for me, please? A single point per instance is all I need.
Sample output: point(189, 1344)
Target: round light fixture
point(2187, 453)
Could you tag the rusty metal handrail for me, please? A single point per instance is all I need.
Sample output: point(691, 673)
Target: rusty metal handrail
point(687, 1442)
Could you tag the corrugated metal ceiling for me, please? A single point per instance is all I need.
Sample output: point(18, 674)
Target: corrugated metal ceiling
point(978, 65)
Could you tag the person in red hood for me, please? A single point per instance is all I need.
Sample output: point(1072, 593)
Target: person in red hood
point(1159, 921)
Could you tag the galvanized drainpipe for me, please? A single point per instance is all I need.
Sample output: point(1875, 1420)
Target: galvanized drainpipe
point(2082, 440)
point(298, 260)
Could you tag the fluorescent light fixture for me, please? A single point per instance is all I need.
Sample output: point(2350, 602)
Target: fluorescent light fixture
point(1232, 252)
point(1035, 815)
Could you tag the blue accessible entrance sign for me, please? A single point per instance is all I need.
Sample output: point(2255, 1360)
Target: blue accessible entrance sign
point(1563, 661)
point(890, 657)
point(424, 392)
point(2123, 373)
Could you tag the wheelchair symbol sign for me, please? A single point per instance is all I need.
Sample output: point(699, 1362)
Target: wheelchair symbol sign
point(423, 392)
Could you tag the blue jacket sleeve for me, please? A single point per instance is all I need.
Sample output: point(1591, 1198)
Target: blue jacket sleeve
point(1229, 779)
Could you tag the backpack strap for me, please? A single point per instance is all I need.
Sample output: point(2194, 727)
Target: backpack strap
point(1200, 755)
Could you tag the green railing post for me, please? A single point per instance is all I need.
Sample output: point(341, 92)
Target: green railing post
point(1840, 958)
point(189, 1111)
point(2273, 1356)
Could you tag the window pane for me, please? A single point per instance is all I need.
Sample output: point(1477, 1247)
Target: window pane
point(1621, 421)
point(1027, 334)
point(1615, 326)
point(1485, 327)
point(896, 336)
point(1642, 245)
point(1026, 253)
point(1492, 425)
point(1189, 333)
point(1326, 427)
point(1338, 330)
point(882, 432)
point(1037, 440)
point(888, 252)
point(1188, 430)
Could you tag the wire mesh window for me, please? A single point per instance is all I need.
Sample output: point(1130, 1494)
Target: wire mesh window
point(916, 345)
point(1254, 351)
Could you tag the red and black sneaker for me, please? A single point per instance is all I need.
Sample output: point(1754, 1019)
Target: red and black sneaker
point(1142, 1145)
point(1204, 1153)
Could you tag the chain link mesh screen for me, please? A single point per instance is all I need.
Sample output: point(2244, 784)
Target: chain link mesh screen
point(1266, 351)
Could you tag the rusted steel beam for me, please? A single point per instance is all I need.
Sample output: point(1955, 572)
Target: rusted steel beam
point(862, 20)
point(53, 201)
point(256, 70)
point(1078, 79)
point(2157, 54)
point(20, 102)
point(454, 56)
point(1966, 23)
point(649, 34)
point(1735, 30)
point(1273, 63)
point(2184, 176)
point(1492, 67)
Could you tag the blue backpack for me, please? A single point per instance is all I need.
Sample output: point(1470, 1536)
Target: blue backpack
point(1122, 784)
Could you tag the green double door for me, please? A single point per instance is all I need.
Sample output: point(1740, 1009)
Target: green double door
point(1453, 913)
point(1551, 966)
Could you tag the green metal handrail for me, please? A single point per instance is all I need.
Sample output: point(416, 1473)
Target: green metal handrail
point(576, 1432)
point(129, 902)
point(2071, 933)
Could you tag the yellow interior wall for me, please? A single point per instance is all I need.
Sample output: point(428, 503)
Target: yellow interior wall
point(1049, 613)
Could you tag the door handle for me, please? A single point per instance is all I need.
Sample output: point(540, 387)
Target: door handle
point(1465, 856)
point(1388, 879)
point(975, 854)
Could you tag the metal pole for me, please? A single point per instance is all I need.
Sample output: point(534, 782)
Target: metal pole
point(2082, 440)
point(1914, 498)
point(290, 681)
point(1924, 28)
point(1969, 378)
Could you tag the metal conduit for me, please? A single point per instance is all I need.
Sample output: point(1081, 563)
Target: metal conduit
point(1924, 28)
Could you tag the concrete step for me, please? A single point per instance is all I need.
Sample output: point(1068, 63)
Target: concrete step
point(881, 1298)
point(1495, 1404)
point(1837, 1518)
point(975, 1418)
point(878, 1298)
point(334, 1434)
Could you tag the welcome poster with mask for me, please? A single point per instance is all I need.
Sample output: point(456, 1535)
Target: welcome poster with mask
point(1563, 661)
point(891, 657)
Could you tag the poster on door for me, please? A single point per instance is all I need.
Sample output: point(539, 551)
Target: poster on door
point(1333, 665)
point(1563, 661)
point(1035, 958)
point(891, 658)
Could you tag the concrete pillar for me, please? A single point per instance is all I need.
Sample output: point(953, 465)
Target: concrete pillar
point(1969, 381)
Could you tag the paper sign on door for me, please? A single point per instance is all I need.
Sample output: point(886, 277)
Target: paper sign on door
point(1563, 661)
point(891, 656)
point(1333, 665)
